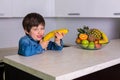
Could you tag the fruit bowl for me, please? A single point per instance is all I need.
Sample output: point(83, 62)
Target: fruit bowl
point(91, 39)
point(99, 46)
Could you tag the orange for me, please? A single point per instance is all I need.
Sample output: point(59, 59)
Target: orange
point(83, 36)
point(96, 42)
point(78, 41)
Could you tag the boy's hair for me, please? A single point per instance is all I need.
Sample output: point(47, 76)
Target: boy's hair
point(31, 20)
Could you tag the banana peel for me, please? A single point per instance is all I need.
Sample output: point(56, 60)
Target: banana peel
point(51, 34)
point(104, 38)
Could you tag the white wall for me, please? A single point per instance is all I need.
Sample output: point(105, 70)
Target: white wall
point(11, 28)
point(110, 26)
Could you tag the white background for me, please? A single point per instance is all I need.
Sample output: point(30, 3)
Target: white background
point(11, 28)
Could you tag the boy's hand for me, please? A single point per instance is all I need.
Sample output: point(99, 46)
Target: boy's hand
point(44, 44)
point(58, 36)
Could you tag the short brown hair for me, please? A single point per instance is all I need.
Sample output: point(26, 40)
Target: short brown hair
point(32, 19)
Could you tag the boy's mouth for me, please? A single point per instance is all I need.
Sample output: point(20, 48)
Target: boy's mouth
point(39, 36)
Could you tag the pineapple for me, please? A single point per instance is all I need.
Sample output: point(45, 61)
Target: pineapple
point(85, 29)
point(94, 34)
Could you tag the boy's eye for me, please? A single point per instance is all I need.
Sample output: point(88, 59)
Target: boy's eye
point(35, 28)
point(42, 28)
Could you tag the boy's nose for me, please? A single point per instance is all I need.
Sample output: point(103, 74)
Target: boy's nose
point(39, 32)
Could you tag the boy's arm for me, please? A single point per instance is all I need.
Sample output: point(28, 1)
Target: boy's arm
point(58, 37)
point(27, 49)
point(57, 41)
point(55, 46)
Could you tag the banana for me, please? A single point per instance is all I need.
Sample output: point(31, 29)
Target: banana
point(105, 38)
point(51, 34)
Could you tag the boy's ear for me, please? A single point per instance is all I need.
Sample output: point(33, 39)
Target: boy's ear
point(26, 32)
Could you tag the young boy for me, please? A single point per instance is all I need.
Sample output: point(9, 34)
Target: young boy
point(32, 43)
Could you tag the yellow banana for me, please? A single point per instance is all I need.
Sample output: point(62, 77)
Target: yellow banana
point(51, 34)
point(105, 38)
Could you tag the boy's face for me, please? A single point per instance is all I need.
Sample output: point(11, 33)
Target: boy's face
point(37, 32)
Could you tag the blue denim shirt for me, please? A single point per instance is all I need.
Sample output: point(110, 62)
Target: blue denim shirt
point(28, 46)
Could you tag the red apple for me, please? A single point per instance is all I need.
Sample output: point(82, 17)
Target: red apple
point(98, 46)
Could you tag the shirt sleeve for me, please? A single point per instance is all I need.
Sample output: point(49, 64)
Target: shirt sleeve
point(54, 46)
point(28, 49)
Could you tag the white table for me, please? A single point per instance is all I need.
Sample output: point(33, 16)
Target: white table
point(7, 52)
point(70, 63)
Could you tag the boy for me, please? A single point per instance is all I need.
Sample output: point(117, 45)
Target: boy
point(32, 43)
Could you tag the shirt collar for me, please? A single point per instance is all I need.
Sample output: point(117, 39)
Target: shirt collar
point(32, 38)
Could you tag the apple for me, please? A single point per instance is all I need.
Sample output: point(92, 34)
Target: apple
point(98, 46)
point(91, 45)
point(84, 43)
